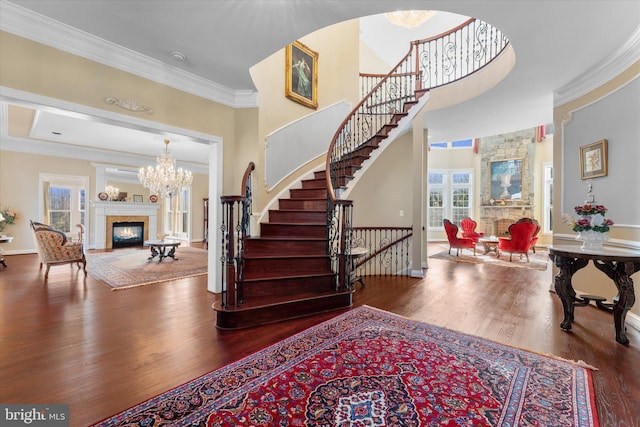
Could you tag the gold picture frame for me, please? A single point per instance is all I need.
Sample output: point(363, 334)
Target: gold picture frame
point(593, 160)
point(301, 75)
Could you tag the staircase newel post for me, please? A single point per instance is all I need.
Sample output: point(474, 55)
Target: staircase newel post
point(342, 262)
point(344, 244)
point(230, 257)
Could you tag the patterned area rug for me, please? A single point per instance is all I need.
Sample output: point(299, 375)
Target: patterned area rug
point(128, 268)
point(368, 367)
point(537, 261)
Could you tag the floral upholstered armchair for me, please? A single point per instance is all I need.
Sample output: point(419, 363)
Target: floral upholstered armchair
point(53, 248)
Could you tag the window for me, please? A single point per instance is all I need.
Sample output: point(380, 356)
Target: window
point(177, 214)
point(82, 209)
point(547, 221)
point(450, 196)
point(60, 208)
point(63, 201)
point(436, 200)
point(462, 143)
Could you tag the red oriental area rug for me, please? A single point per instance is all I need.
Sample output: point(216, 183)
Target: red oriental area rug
point(368, 367)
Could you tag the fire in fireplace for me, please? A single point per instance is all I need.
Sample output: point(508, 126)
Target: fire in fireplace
point(127, 234)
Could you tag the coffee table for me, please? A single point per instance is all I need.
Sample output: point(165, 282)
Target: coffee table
point(490, 244)
point(159, 249)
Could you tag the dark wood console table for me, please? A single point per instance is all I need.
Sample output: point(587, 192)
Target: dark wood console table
point(617, 264)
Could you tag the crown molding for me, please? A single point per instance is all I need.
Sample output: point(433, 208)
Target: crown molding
point(46, 148)
point(620, 60)
point(33, 26)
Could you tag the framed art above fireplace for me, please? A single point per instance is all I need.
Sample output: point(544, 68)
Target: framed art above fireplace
point(506, 179)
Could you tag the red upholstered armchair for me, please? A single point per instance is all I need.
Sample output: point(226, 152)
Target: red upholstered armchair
point(469, 229)
point(520, 240)
point(534, 239)
point(455, 241)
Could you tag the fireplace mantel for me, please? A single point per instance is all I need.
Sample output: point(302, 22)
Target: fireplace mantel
point(492, 215)
point(104, 209)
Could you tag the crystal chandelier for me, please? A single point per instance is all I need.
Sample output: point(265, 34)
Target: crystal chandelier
point(112, 192)
point(410, 18)
point(164, 178)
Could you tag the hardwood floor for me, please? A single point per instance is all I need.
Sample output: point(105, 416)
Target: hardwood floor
point(74, 341)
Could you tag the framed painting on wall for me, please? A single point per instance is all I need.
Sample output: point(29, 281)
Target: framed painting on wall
point(301, 74)
point(506, 179)
point(593, 160)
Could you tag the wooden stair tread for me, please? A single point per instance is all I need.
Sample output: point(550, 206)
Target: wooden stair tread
point(285, 277)
point(304, 198)
point(271, 301)
point(284, 256)
point(301, 210)
point(296, 223)
point(285, 238)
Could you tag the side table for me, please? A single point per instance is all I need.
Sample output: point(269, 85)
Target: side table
point(618, 264)
point(159, 249)
point(356, 253)
point(490, 244)
point(4, 239)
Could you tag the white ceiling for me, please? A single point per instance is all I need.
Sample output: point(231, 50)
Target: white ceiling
point(554, 42)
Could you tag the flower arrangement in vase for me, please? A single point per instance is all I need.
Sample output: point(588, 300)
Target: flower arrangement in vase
point(7, 217)
point(592, 225)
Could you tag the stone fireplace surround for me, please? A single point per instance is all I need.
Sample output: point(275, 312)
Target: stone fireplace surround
point(109, 212)
point(495, 218)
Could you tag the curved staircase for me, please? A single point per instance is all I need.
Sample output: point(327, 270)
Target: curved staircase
point(287, 272)
point(299, 263)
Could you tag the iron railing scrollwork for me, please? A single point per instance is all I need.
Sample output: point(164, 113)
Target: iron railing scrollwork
point(430, 63)
point(339, 239)
point(387, 250)
point(235, 227)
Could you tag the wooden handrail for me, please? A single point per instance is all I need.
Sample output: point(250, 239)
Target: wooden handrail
point(245, 178)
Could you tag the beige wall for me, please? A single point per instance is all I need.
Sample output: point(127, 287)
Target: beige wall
point(20, 183)
point(371, 63)
point(385, 188)
point(338, 71)
point(31, 67)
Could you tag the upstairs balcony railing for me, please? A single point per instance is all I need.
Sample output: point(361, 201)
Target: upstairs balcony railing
point(430, 63)
point(235, 227)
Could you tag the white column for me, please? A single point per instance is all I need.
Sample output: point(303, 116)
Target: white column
point(418, 196)
point(214, 280)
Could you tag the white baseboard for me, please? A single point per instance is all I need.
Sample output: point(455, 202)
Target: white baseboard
point(633, 320)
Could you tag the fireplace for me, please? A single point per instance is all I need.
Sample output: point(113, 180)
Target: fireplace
point(127, 234)
point(501, 227)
